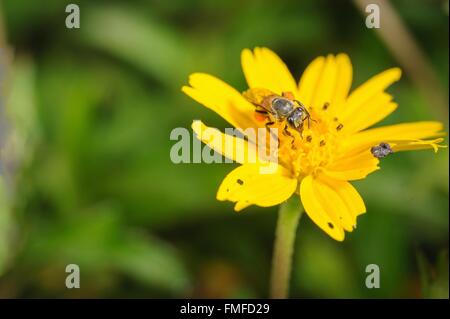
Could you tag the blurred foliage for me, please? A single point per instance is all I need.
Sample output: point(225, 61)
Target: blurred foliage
point(86, 174)
point(434, 281)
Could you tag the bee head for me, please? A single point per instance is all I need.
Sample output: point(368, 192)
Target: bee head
point(295, 119)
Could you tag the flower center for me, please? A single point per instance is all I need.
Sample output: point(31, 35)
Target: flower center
point(312, 148)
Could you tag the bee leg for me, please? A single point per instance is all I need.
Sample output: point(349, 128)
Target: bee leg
point(308, 118)
point(300, 130)
point(301, 104)
point(268, 124)
point(268, 128)
point(287, 133)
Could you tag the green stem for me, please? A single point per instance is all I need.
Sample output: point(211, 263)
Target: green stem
point(288, 218)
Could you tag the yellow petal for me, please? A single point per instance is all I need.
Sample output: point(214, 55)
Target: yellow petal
point(353, 167)
point(326, 80)
point(221, 98)
point(351, 174)
point(317, 211)
point(230, 146)
point(326, 84)
point(344, 81)
point(332, 205)
point(309, 80)
point(247, 185)
point(257, 95)
point(264, 69)
point(415, 145)
point(407, 131)
point(360, 97)
point(350, 196)
point(375, 110)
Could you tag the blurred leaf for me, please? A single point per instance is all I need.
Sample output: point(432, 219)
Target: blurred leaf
point(434, 280)
point(96, 242)
point(322, 268)
point(152, 262)
point(126, 33)
point(20, 111)
point(6, 227)
point(18, 130)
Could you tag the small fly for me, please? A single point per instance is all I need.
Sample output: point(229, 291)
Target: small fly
point(381, 150)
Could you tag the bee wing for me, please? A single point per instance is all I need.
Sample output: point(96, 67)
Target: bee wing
point(260, 97)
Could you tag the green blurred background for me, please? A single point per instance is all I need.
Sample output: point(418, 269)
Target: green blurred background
point(86, 176)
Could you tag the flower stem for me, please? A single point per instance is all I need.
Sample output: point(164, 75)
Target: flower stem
point(288, 217)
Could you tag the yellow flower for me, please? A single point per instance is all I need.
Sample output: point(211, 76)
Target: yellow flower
point(319, 161)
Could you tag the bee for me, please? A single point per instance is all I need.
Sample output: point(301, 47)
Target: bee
point(280, 108)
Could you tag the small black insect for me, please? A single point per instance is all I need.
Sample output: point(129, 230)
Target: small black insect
point(381, 150)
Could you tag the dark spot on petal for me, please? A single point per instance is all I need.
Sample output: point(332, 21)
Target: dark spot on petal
point(309, 138)
point(228, 190)
point(335, 119)
point(330, 225)
point(240, 181)
point(339, 127)
point(322, 143)
point(325, 106)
